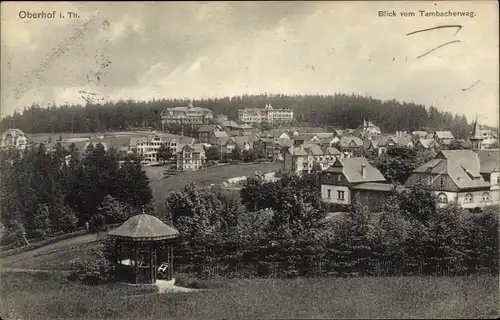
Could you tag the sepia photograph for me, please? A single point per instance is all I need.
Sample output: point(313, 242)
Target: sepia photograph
point(249, 160)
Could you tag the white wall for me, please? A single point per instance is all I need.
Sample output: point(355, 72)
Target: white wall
point(334, 195)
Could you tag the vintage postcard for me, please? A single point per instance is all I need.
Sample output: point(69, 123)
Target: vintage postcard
point(249, 159)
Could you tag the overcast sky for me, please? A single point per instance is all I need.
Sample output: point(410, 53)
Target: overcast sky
point(196, 49)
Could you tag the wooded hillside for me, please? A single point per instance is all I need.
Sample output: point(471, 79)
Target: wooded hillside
point(340, 110)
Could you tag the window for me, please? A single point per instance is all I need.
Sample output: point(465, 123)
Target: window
point(429, 180)
point(329, 193)
point(469, 198)
point(486, 196)
point(341, 195)
point(442, 198)
point(441, 181)
point(339, 177)
point(419, 179)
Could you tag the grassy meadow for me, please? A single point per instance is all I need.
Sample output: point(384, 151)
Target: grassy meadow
point(45, 296)
point(202, 178)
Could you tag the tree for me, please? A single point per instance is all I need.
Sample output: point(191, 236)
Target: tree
point(236, 153)
point(134, 184)
point(41, 221)
point(248, 155)
point(398, 163)
point(164, 152)
point(213, 153)
point(418, 203)
point(115, 211)
point(457, 145)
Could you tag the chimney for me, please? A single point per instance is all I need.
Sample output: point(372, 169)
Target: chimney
point(363, 170)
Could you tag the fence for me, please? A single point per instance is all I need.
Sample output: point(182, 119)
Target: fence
point(323, 268)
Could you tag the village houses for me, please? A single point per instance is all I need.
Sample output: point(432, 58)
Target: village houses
point(14, 138)
point(454, 176)
point(190, 116)
point(190, 157)
point(301, 159)
point(444, 138)
point(205, 131)
point(349, 178)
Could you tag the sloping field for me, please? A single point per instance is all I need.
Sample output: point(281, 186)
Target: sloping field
point(47, 296)
point(205, 177)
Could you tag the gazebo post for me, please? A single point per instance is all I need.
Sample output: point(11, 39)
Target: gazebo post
point(136, 265)
point(171, 261)
point(152, 277)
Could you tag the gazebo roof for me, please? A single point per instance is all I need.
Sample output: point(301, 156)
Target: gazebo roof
point(144, 227)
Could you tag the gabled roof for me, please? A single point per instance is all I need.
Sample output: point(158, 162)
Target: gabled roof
point(328, 140)
point(332, 151)
point(241, 140)
point(444, 134)
point(229, 124)
point(144, 227)
point(348, 141)
point(312, 149)
point(225, 141)
point(353, 169)
point(305, 136)
point(209, 128)
point(285, 142)
point(220, 134)
point(197, 147)
point(325, 135)
point(462, 166)
point(273, 133)
point(427, 143)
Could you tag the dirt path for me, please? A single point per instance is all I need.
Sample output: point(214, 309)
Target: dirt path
point(87, 238)
point(15, 270)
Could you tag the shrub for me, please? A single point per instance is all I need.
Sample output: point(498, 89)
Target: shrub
point(97, 269)
point(186, 281)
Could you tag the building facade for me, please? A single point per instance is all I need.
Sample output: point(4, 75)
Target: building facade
point(267, 114)
point(301, 159)
point(191, 157)
point(454, 176)
point(14, 138)
point(205, 131)
point(189, 116)
point(351, 178)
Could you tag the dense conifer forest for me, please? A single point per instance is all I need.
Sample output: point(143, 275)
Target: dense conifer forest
point(339, 110)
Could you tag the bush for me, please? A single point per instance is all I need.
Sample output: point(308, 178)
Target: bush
point(97, 270)
point(186, 281)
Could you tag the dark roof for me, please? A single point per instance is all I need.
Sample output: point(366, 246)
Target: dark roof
point(352, 167)
point(346, 141)
point(462, 166)
point(144, 227)
point(377, 186)
point(220, 134)
point(304, 136)
point(428, 143)
point(444, 134)
point(209, 128)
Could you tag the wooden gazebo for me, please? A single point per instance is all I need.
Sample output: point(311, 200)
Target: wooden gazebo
point(137, 242)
